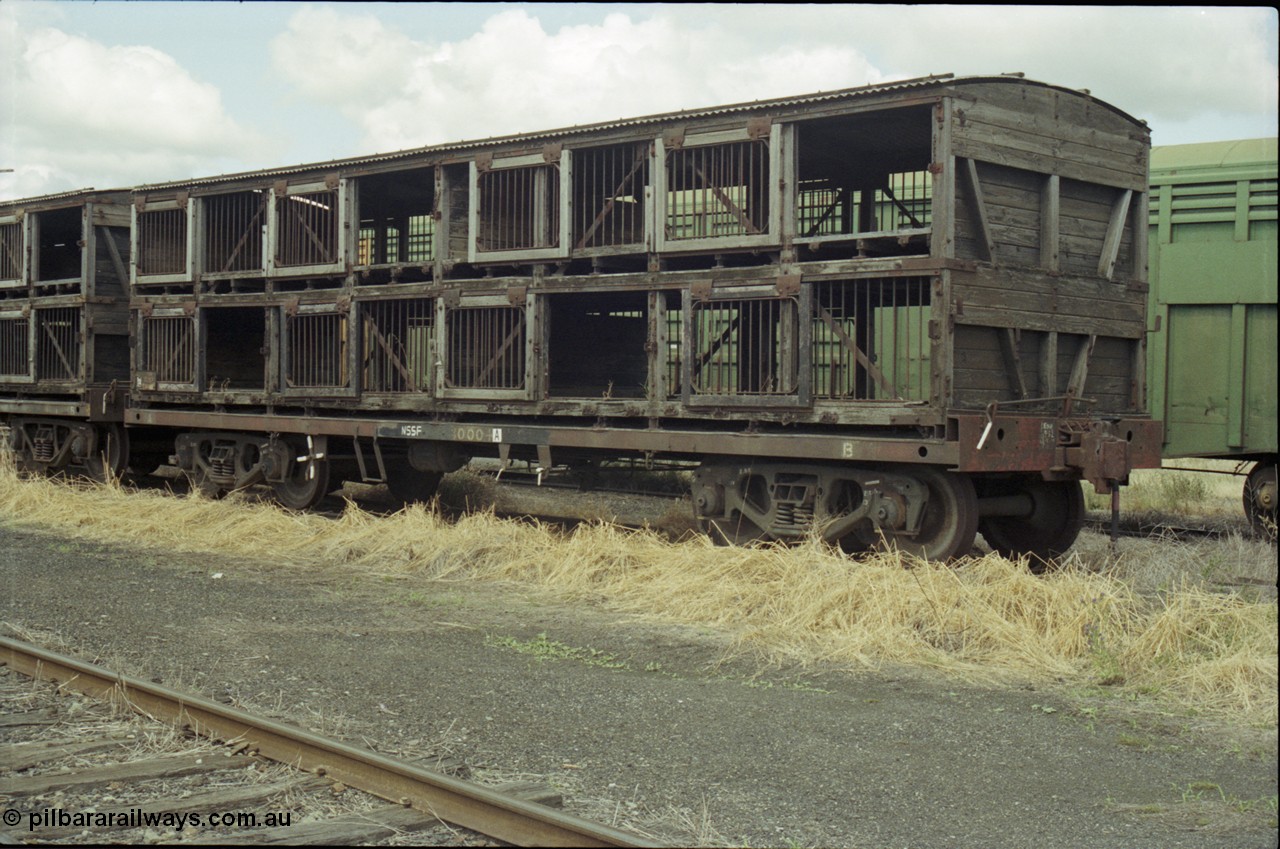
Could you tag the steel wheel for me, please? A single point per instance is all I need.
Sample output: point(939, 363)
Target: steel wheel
point(411, 486)
point(950, 521)
point(307, 483)
point(146, 463)
point(112, 456)
point(1050, 529)
point(1260, 499)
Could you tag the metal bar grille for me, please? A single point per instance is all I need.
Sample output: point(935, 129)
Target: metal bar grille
point(718, 191)
point(675, 345)
point(486, 348)
point(233, 231)
point(744, 347)
point(162, 242)
point(823, 211)
point(902, 201)
point(307, 229)
point(905, 202)
point(519, 208)
point(11, 251)
point(317, 351)
point(397, 342)
point(169, 348)
point(58, 344)
point(14, 359)
point(386, 244)
point(871, 339)
point(608, 194)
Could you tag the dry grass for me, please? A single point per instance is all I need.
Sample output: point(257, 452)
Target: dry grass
point(984, 619)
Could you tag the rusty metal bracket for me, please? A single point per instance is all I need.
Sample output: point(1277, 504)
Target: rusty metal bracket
point(759, 128)
point(517, 295)
point(788, 284)
point(484, 161)
point(700, 289)
point(551, 152)
point(673, 138)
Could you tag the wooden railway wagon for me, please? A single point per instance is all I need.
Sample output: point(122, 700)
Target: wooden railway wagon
point(903, 312)
point(1213, 308)
point(64, 328)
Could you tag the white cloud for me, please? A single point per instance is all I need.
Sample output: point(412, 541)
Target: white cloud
point(81, 113)
point(1167, 65)
point(79, 108)
point(1158, 63)
point(513, 76)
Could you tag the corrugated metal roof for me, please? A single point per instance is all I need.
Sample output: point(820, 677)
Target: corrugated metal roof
point(75, 195)
point(690, 114)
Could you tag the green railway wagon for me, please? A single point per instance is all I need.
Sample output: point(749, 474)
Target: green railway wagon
point(1212, 351)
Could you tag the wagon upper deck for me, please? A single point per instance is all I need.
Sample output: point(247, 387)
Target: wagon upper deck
point(827, 300)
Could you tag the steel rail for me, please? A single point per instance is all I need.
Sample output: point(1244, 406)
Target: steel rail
point(450, 799)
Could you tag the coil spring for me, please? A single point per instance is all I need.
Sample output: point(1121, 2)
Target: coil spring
point(222, 463)
point(42, 449)
point(793, 515)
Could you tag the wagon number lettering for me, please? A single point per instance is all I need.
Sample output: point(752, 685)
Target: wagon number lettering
point(477, 434)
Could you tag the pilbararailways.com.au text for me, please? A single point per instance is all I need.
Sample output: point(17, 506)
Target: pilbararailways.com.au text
point(139, 818)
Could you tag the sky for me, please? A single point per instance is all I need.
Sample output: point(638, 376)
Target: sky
point(116, 94)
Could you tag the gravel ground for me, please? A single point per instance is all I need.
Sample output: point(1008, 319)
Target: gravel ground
point(647, 725)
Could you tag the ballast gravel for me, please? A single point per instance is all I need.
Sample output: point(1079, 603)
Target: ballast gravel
point(646, 725)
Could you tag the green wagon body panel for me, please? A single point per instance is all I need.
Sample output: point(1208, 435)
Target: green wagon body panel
point(1213, 257)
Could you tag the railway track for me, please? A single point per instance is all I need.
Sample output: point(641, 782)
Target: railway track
point(1146, 529)
point(418, 798)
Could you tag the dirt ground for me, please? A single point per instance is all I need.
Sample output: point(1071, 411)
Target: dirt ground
point(644, 724)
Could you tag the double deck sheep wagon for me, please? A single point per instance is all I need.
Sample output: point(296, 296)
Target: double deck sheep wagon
point(908, 312)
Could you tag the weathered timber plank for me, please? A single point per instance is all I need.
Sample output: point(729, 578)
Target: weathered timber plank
point(1042, 321)
point(1012, 362)
point(45, 716)
point(342, 831)
point(1003, 154)
point(973, 195)
point(27, 755)
point(1115, 229)
point(1065, 141)
point(538, 792)
point(165, 767)
point(1081, 302)
point(990, 285)
point(1055, 113)
point(237, 798)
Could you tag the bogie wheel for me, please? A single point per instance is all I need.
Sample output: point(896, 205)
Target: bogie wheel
point(307, 483)
point(143, 463)
point(1051, 528)
point(1260, 499)
point(112, 456)
point(950, 521)
point(411, 486)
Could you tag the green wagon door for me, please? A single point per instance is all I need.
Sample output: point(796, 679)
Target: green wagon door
point(1219, 382)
